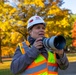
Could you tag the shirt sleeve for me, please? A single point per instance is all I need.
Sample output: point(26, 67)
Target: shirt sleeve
point(21, 61)
point(63, 62)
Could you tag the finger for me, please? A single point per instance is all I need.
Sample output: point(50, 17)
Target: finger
point(39, 46)
point(39, 39)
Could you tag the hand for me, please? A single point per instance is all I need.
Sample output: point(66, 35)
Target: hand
point(59, 52)
point(38, 43)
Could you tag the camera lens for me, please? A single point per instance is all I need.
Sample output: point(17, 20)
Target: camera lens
point(55, 42)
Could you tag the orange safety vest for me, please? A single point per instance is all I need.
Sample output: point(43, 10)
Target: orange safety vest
point(41, 66)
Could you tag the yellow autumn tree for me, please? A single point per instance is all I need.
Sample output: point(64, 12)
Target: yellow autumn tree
point(57, 19)
point(14, 20)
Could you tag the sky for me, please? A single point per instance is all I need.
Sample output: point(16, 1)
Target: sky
point(70, 4)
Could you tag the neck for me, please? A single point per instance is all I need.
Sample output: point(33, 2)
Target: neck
point(31, 40)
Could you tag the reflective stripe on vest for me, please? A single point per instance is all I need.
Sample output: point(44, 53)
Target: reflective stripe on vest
point(40, 66)
point(23, 46)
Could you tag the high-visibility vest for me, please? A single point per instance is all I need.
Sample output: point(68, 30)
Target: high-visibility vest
point(41, 65)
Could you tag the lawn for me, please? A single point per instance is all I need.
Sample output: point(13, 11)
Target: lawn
point(5, 68)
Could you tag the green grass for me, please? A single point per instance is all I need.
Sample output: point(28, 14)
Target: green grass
point(5, 72)
point(5, 68)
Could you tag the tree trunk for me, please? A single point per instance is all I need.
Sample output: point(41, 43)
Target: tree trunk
point(0, 51)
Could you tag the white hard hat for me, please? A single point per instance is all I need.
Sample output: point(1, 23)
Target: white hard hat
point(34, 20)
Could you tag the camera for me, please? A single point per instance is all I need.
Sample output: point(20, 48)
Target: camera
point(55, 42)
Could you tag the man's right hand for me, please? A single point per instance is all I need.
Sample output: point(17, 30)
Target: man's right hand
point(38, 43)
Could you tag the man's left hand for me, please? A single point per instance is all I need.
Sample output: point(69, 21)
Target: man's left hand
point(59, 52)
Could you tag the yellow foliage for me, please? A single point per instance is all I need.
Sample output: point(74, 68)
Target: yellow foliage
point(64, 22)
point(35, 2)
point(1, 15)
point(54, 10)
point(58, 33)
point(4, 26)
point(16, 37)
point(57, 23)
point(13, 11)
point(20, 23)
point(6, 51)
point(11, 17)
point(39, 3)
point(66, 33)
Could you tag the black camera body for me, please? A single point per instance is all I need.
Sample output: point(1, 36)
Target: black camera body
point(55, 42)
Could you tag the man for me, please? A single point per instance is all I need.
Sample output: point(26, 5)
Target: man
point(32, 58)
